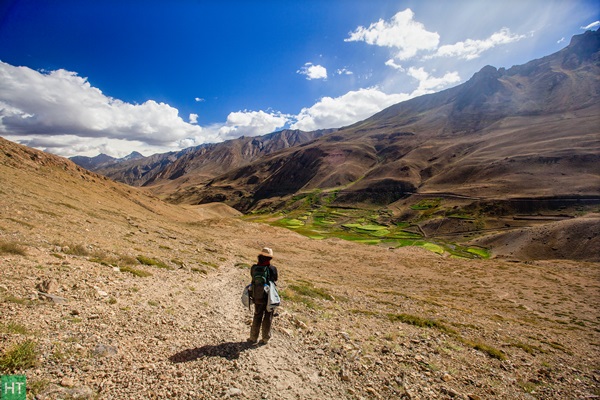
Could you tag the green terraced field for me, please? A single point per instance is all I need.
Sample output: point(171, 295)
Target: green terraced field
point(317, 220)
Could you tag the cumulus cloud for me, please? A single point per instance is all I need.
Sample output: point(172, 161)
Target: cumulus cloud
point(344, 110)
point(62, 103)
point(402, 33)
point(61, 112)
point(199, 99)
point(252, 123)
point(591, 26)
point(430, 84)
point(471, 49)
point(357, 105)
point(313, 71)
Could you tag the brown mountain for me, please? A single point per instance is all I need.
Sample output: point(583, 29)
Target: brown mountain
point(169, 171)
point(527, 132)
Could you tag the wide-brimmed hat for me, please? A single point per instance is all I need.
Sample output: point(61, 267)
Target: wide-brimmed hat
point(266, 252)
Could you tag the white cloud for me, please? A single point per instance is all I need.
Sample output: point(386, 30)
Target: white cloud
point(592, 25)
point(355, 106)
point(199, 99)
point(471, 49)
point(430, 84)
point(344, 110)
point(62, 103)
point(401, 33)
point(72, 145)
point(252, 123)
point(561, 40)
point(61, 112)
point(392, 63)
point(344, 71)
point(313, 71)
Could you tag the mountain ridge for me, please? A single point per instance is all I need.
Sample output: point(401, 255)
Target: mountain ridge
point(103, 160)
point(481, 138)
point(203, 162)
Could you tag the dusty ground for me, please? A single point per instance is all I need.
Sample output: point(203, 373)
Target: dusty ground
point(491, 329)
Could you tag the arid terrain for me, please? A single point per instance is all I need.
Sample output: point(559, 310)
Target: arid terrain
point(109, 293)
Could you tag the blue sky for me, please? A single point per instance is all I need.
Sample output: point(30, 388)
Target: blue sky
point(82, 77)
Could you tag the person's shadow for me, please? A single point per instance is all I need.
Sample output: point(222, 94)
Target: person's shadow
point(228, 350)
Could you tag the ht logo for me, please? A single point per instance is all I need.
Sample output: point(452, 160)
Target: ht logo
point(13, 387)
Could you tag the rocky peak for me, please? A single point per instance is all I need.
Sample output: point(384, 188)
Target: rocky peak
point(133, 156)
point(582, 48)
point(481, 86)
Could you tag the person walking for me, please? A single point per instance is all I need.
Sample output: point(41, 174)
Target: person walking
point(262, 273)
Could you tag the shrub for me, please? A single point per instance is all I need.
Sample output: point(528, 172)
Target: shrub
point(210, 264)
point(19, 357)
point(151, 261)
point(37, 386)
point(421, 322)
point(526, 347)
point(77, 250)
point(308, 290)
point(489, 350)
point(12, 248)
point(17, 300)
point(199, 270)
point(105, 258)
point(429, 323)
point(12, 327)
point(136, 272)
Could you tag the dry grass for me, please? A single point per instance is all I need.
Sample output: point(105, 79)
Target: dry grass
point(12, 248)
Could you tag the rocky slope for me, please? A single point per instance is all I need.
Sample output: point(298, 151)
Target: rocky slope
point(121, 295)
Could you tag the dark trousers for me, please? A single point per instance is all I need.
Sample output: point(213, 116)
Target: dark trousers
point(262, 319)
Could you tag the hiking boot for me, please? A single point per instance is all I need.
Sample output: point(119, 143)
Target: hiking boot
point(263, 342)
point(250, 340)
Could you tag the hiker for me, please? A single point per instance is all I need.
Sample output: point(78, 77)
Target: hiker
point(262, 273)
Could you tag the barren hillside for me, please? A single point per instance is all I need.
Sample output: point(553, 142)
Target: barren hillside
point(114, 294)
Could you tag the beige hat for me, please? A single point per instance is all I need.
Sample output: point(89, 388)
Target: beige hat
point(267, 252)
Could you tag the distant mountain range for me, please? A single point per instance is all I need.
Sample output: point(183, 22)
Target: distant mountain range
point(103, 160)
point(196, 164)
point(530, 131)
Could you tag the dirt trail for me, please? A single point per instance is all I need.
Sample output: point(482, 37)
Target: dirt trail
point(280, 369)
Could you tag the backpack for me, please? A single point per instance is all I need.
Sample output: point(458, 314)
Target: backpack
point(260, 279)
point(246, 296)
point(273, 299)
